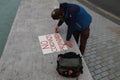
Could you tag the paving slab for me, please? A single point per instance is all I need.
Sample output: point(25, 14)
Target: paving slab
point(23, 58)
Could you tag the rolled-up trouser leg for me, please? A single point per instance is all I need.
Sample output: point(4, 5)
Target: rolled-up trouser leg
point(83, 39)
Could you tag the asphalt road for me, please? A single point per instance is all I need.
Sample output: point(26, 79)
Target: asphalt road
point(107, 8)
point(112, 6)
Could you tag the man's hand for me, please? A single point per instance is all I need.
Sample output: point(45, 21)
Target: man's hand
point(68, 43)
point(56, 29)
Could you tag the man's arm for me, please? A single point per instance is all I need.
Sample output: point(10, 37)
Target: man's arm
point(56, 28)
point(60, 23)
point(69, 35)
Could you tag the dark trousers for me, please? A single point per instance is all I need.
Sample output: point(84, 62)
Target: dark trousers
point(83, 35)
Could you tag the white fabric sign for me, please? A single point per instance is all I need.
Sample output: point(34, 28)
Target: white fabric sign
point(52, 43)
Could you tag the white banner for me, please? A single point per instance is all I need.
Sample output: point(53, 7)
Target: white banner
point(52, 43)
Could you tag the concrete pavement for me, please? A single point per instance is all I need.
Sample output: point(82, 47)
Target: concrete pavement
point(22, 58)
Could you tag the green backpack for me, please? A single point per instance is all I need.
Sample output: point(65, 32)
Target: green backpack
point(69, 64)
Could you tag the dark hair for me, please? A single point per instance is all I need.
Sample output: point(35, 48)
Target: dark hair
point(56, 13)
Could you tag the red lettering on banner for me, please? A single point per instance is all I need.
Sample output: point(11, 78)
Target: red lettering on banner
point(59, 41)
point(50, 40)
point(44, 44)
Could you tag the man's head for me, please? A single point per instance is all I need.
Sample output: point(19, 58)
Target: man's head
point(57, 14)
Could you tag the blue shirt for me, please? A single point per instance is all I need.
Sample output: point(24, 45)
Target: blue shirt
point(76, 17)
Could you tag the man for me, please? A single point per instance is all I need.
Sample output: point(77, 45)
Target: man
point(78, 21)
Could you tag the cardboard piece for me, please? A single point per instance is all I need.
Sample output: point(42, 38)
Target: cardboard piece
point(51, 43)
